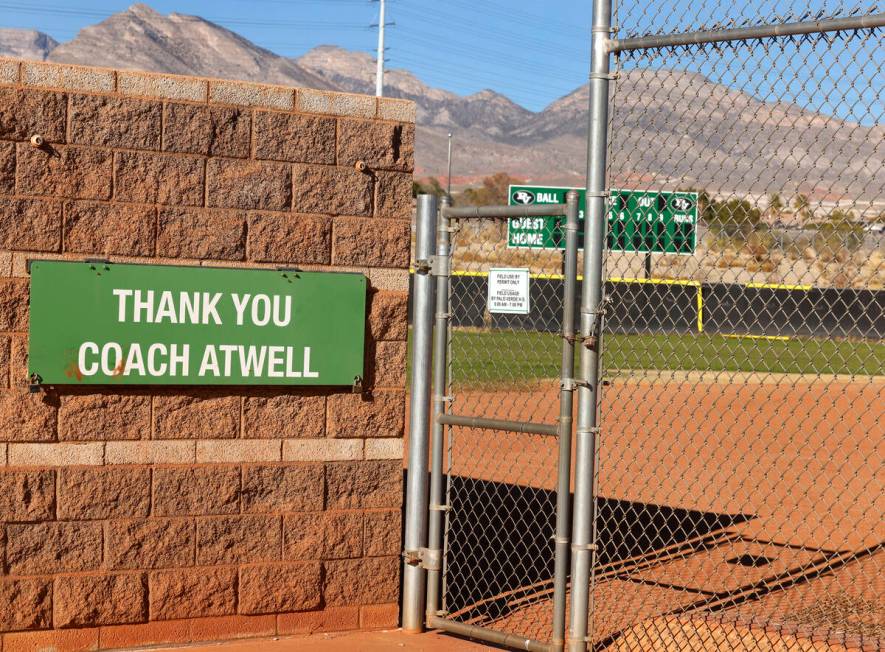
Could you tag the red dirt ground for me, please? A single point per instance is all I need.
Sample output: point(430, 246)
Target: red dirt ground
point(800, 457)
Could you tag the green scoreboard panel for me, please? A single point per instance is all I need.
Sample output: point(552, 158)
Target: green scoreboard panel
point(639, 221)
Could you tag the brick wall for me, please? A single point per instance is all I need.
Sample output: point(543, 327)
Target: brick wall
point(144, 515)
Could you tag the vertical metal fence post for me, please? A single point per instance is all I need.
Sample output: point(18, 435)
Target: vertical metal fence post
point(440, 381)
point(584, 526)
point(416, 487)
point(566, 396)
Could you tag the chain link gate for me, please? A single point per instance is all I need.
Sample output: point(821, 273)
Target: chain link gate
point(503, 378)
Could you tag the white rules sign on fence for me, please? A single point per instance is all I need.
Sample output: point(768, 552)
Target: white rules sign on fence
point(509, 291)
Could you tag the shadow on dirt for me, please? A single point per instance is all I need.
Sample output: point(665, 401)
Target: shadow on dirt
point(500, 545)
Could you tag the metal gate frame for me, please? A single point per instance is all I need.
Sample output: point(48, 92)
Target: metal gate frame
point(433, 277)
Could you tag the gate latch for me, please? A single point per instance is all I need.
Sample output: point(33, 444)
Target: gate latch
point(425, 558)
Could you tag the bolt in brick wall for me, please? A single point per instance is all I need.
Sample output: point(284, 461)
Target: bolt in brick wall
point(144, 515)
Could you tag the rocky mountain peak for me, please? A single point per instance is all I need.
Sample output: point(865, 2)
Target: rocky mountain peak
point(25, 44)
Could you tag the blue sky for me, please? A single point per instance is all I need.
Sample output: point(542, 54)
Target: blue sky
point(533, 52)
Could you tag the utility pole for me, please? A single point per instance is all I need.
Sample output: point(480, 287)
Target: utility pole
point(379, 72)
point(449, 173)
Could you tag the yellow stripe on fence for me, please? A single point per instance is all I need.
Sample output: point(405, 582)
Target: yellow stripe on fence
point(778, 286)
point(747, 336)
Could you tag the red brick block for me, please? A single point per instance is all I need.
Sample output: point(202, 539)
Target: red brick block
point(196, 416)
point(18, 362)
point(24, 113)
point(196, 490)
point(109, 492)
point(331, 190)
point(207, 130)
point(383, 533)
point(304, 536)
point(64, 171)
point(30, 224)
point(5, 361)
point(361, 581)
point(283, 488)
point(159, 179)
point(115, 122)
point(386, 364)
point(100, 417)
point(221, 628)
point(202, 234)
point(381, 145)
point(53, 548)
point(26, 417)
point(7, 168)
point(284, 415)
point(393, 197)
point(370, 242)
point(323, 535)
point(62, 640)
point(13, 304)
point(287, 238)
point(238, 539)
point(251, 185)
point(193, 592)
point(27, 495)
point(379, 616)
point(109, 229)
point(388, 315)
point(126, 636)
point(293, 137)
point(89, 600)
point(343, 538)
point(25, 604)
point(330, 619)
point(150, 543)
point(363, 485)
point(275, 588)
point(381, 414)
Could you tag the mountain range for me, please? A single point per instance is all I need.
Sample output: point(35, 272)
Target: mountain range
point(727, 141)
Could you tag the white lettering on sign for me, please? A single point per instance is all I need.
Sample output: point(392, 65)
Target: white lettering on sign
point(223, 360)
point(112, 360)
point(509, 291)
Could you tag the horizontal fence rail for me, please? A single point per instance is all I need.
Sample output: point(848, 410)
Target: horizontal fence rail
point(486, 212)
point(755, 32)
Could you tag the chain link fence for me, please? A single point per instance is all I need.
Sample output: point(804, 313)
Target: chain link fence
point(727, 490)
point(740, 499)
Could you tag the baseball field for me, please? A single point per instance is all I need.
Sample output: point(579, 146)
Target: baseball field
point(739, 484)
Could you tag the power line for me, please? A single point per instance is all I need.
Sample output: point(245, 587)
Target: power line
point(302, 24)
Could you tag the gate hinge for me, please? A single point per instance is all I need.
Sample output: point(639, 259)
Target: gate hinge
point(425, 558)
point(441, 265)
point(577, 547)
point(423, 266)
point(569, 384)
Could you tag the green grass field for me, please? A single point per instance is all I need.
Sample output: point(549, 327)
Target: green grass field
point(504, 356)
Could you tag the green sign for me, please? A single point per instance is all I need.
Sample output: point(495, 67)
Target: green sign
point(638, 221)
point(111, 324)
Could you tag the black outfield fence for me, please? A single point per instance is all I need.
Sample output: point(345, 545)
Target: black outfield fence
point(681, 306)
